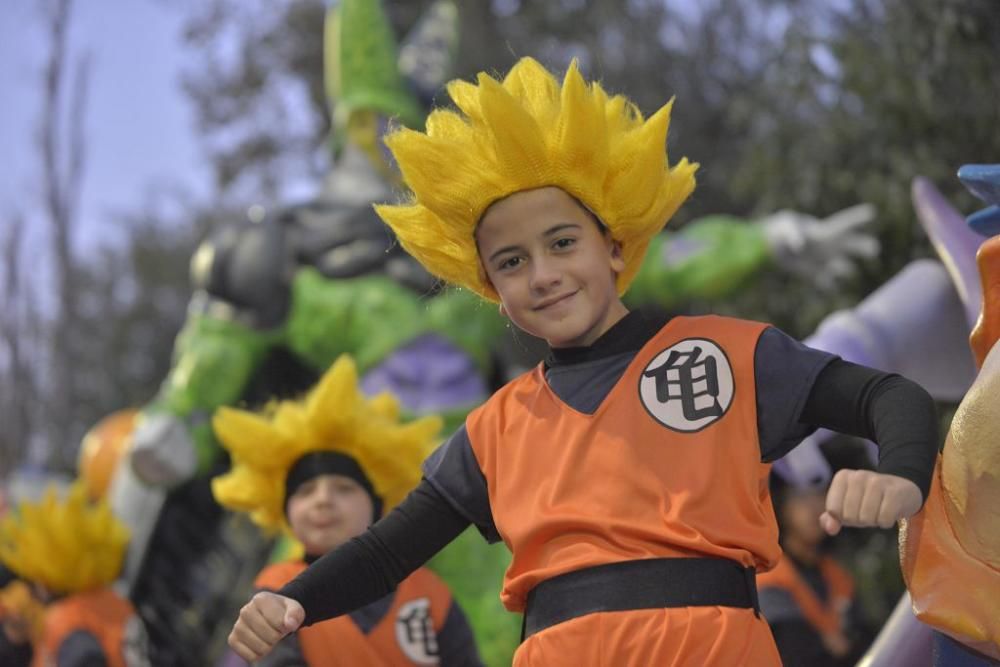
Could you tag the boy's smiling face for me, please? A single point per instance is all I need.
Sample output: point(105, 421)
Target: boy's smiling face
point(552, 266)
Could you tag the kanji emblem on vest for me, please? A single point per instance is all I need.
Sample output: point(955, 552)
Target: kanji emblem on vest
point(415, 632)
point(687, 386)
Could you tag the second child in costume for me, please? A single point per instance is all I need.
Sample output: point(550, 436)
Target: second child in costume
point(323, 470)
point(21, 618)
point(628, 473)
point(70, 551)
point(808, 598)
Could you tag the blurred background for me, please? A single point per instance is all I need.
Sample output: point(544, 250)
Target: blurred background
point(132, 129)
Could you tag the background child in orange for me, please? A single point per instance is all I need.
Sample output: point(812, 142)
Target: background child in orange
point(323, 470)
point(70, 551)
point(628, 473)
point(808, 598)
point(21, 617)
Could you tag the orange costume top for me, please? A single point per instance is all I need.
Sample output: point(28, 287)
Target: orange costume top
point(667, 466)
point(405, 631)
point(106, 617)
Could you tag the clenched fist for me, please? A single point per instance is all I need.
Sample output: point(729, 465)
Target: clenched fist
point(263, 622)
point(863, 498)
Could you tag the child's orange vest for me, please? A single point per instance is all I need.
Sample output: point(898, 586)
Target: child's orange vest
point(406, 635)
point(825, 617)
point(102, 613)
point(667, 466)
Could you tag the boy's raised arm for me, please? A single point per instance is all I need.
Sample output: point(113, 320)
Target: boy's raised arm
point(899, 416)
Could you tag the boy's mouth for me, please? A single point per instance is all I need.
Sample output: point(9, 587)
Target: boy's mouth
point(323, 524)
point(548, 303)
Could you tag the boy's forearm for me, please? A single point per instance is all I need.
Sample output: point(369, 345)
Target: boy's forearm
point(370, 566)
point(907, 431)
point(894, 412)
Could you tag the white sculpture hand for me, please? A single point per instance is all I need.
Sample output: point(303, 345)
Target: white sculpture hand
point(826, 251)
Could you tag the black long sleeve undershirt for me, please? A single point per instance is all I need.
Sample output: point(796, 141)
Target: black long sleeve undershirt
point(893, 411)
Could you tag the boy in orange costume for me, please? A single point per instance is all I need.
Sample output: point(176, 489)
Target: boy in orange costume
point(71, 551)
point(323, 470)
point(627, 473)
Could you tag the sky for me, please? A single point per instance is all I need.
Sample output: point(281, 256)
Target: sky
point(139, 128)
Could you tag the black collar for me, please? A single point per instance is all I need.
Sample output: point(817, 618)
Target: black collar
point(628, 334)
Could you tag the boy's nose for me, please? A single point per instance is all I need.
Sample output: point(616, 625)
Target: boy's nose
point(325, 493)
point(544, 275)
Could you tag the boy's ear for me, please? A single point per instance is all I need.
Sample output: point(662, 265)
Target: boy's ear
point(617, 258)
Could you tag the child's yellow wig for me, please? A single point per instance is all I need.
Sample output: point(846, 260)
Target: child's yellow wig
point(334, 417)
point(68, 546)
point(526, 133)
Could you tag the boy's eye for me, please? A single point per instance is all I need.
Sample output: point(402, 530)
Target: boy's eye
point(509, 263)
point(563, 243)
point(346, 488)
point(304, 489)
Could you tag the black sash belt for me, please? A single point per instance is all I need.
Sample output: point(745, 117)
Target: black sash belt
point(640, 584)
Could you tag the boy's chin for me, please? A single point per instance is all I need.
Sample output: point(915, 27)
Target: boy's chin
point(320, 547)
point(567, 331)
point(565, 339)
point(572, 331)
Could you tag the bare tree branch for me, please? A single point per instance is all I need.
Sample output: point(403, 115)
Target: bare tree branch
point(62, 170)
point(9, 324)
point(77, 148)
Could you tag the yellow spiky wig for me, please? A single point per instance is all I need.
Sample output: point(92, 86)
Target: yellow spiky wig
point(69, 545)
point(334, 417)
point(526, 133)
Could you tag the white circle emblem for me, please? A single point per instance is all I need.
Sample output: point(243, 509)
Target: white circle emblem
point(415, 632)
point(687, 386)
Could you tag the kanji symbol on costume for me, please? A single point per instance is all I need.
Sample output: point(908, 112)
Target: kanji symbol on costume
point(415, 632)
point(694, 377)
point(687, 386)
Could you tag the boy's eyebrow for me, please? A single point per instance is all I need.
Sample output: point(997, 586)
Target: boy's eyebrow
point(509, 248)
point(555, 229)
point(551, 231)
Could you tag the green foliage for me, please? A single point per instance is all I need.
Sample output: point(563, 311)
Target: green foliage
point(861, 100)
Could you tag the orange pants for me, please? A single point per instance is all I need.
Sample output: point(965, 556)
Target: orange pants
point(683, 637)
